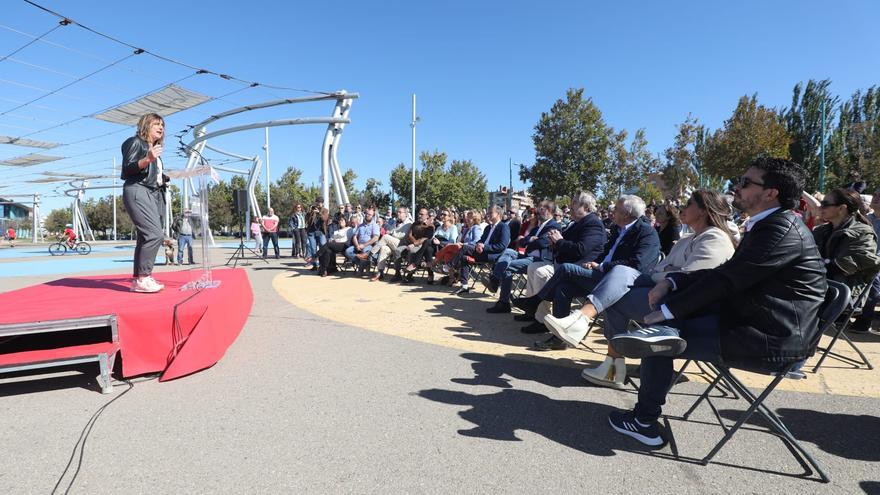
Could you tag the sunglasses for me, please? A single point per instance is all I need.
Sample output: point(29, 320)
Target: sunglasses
point(744, 182)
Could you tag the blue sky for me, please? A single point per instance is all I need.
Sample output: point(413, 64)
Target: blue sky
point(483, 71)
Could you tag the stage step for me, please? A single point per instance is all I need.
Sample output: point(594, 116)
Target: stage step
point(45, 344)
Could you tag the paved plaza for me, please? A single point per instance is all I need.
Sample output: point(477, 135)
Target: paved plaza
point(341, 385)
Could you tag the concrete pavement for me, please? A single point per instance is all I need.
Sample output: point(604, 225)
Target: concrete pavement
point(306, 404)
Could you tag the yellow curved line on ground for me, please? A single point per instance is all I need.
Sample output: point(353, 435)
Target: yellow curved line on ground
point(430, 314)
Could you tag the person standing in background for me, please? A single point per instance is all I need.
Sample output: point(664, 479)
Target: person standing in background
point(270, 223)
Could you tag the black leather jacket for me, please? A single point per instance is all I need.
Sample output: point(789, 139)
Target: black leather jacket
point(769, 293)
point(133, 150)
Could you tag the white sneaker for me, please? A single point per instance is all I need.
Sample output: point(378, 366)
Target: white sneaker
point(144, 285)
point(611, 373)
point(155, 282)
point(571, 329)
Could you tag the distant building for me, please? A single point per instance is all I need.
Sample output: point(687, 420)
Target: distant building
point(520, 199)
point(10, 210)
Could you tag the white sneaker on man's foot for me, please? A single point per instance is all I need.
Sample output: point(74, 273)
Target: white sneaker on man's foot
point(571, 329)
point(144, 285)
point(156, 282)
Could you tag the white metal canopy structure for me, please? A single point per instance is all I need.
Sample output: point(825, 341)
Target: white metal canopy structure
point(329, 161)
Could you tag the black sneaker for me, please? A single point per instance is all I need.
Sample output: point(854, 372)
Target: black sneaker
point(492, 284)
point(396, 278)
point(524, 317)
point(528, 304)
point(499, 307)
point(554, 343)
point(657, 340)
point(626, 423)
point(535, 327)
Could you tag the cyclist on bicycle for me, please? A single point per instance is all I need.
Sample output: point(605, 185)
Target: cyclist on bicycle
point(71, 236)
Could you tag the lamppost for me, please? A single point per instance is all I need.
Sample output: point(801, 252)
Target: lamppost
point(415, 120)
point(510, 165)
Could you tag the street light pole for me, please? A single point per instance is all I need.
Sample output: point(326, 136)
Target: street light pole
point(510, 185)
point(412, 124)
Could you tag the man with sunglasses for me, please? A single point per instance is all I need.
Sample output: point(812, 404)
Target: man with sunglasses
point(758, 310)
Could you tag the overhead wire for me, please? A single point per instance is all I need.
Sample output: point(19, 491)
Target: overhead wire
point(168, 59)
point(34, 40)
point(71, 83)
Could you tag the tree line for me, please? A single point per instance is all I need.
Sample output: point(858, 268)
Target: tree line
point(576, 148)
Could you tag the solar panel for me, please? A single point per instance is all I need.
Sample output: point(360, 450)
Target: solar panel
point(168, 100)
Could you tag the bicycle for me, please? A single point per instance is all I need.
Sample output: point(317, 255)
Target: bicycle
point(60, 248)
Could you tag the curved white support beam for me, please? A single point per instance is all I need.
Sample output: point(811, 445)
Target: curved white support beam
point(339, 95)
point(270, 123)
point(334, 161)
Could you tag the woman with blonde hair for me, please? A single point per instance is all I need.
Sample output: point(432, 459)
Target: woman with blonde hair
point(143, 195)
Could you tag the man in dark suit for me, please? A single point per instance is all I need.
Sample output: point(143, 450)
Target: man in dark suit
point(633, 243)
point(537, 248)
point(514, 224)
point(495, 239)
point(583, 240)
point(758, 310)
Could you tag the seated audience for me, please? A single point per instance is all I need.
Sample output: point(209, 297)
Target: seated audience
point(758, 310)
point(711, 244)
point(388, 243)
point(495, 239)
point(633, 243)
point(863, 321)
point(582, 241)
point(847, 241)
point(536, 245)
point(470, 235)
point(421, 230)
point(365, 235)
point(668, 226)
point(338, 242)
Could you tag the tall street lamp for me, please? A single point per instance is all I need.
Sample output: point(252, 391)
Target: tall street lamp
point(510, 165)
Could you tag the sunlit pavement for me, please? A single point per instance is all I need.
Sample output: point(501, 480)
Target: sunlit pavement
point(378, 388)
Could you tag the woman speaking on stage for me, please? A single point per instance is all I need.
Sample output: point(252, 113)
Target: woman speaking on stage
point(144, 196)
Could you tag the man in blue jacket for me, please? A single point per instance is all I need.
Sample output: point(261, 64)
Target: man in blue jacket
point(495, 239)
point(634, 243)
point(582, 240)
point(537, 248)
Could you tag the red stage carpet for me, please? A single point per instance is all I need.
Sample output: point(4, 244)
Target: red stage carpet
point(174, 332)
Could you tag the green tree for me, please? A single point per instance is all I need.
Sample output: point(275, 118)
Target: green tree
point(619, 174)
point(804, 124)
point(220, 212)
point(571, 148)
point(460, 184)
point(373, 195)
point(753, 130)
point(855, 142)
point(680, 173)
point(57, 219)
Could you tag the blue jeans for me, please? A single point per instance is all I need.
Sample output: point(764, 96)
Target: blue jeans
point(505, 267)
point(569, 280)
point(615, 284)
point(270, 236)
point(184, 240)
point(316, 239)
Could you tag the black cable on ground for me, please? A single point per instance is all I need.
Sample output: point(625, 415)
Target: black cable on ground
point(80, 446)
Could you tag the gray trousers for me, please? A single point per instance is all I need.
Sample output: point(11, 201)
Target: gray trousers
point(146, 208)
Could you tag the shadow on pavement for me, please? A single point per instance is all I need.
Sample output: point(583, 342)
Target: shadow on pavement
point(845, 435)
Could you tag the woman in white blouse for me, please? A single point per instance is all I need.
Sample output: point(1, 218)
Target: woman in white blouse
point(711, 244)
